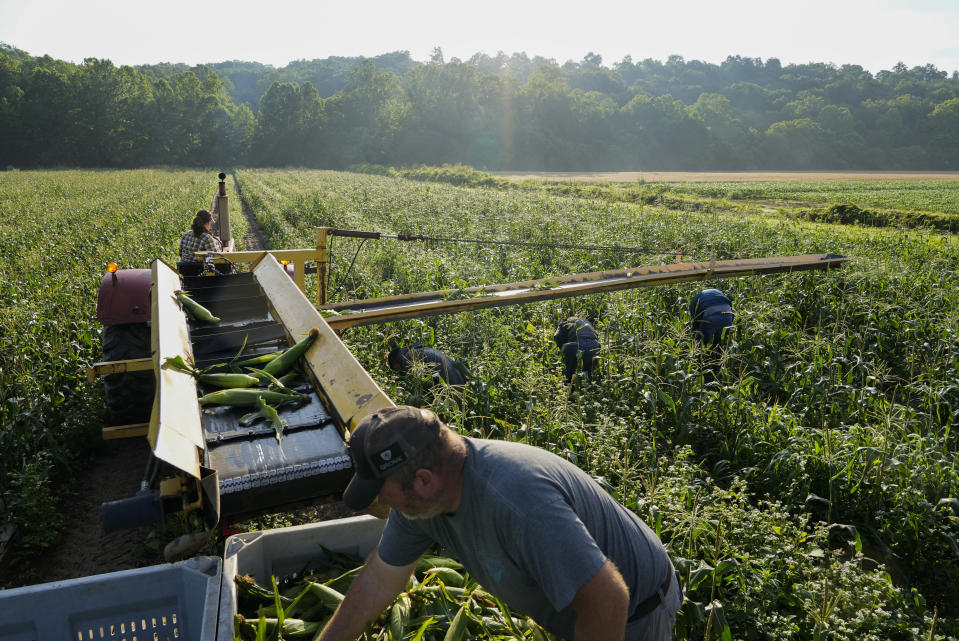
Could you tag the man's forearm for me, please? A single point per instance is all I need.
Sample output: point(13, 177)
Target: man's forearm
point(374, 589)
point(350, 620)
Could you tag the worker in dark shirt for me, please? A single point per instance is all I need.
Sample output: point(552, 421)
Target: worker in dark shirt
point(576, 338)
point(439, 364)
point(710, 312)
point(529, 526)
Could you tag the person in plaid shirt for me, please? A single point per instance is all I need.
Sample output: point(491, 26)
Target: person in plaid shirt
point(198, 238)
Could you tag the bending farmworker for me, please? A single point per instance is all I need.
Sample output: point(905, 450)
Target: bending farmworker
point(529, 526)
point(710, 312)
point(576, 339)
point(440, 365)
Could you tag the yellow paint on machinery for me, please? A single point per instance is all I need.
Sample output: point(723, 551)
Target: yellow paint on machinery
point(393, 308)
point(296, 257)
point(176, 434)
point(118, 367)
point(348, 388)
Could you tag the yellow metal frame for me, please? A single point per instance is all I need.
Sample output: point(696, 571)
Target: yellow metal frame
point(298, 258)
point(175, 433)
point(350, 392)
point(118, 367)
point(393, 308)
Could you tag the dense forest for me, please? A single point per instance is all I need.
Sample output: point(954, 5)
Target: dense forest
point(503, 112)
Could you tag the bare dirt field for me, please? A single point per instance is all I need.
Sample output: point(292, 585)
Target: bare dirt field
point(719, 176)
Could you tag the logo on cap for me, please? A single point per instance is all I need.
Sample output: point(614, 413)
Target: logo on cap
point(390, 458)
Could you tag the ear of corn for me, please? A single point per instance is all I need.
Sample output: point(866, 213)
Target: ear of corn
point(429, 561)
point(290, 378)
point(267, 627)
point(218, 379)
point(330, 597)
point(448, 576)
point(282, 363)
point(195, 309)
point(399, 617)
point(429, 610)
point(246, 586)
point(228, 379)
point(248, 397)
point(262, 359)
point(266, 377)
point(457, 629)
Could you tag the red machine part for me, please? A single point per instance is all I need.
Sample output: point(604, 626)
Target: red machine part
point(124, 297)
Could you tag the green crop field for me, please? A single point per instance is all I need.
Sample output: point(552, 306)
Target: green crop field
point(804, 479)
point(940, 196)
point(58, 231)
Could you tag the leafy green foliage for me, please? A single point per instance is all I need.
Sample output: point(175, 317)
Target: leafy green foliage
point(852, 214)
point(803, 478)
point(828, 416)
point(59, 231)
point(502, 112)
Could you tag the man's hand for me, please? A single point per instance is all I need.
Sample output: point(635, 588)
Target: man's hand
point(374, 589)
point(601, 606)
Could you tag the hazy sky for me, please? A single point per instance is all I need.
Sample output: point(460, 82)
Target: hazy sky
point(875, 34)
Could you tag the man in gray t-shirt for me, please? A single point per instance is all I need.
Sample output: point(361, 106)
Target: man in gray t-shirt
point(529, 526)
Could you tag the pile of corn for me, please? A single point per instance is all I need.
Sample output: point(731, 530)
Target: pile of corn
point(265, 383)
point(441, 603)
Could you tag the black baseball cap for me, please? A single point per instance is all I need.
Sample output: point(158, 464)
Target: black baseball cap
point(382, 443)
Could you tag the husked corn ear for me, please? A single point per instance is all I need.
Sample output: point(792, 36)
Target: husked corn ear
point(457, 629)
point(228, 380)
point(196, 310)
point(282, 363)
point(248, 397)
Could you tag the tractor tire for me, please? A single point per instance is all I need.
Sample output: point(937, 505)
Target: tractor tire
point(128, 396)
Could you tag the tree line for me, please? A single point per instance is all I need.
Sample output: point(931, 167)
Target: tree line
point(503, 112)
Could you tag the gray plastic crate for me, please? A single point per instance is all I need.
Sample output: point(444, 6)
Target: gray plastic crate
point(286, 551)
point(176, 601)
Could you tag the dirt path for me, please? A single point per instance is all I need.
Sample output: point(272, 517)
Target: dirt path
point(84, 548)
point(255, 237)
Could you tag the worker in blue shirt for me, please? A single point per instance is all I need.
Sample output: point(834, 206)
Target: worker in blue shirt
point(576, 337)
point(710, 312)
